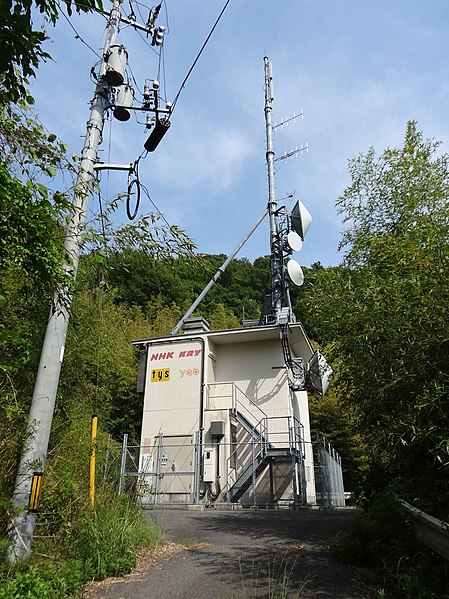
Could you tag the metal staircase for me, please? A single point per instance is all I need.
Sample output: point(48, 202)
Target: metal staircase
point(255, 454)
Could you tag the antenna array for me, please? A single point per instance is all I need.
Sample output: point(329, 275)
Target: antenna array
point(287, 231)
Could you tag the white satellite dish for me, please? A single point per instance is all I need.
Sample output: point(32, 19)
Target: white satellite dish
point(301, 219)
point(294, 241)
point(295, 273)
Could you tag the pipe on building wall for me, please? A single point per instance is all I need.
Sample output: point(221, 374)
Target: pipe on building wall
point(201, 414)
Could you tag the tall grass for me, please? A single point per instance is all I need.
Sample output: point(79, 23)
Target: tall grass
point(74, 544)
point(275, 575)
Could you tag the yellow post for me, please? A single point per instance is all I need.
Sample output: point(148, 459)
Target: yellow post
point(93, 436)
point(35, 494)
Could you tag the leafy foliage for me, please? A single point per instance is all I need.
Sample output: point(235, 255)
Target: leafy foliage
point(22, 45)
point(380, 540)
point(139, 278)
point(385, 313)
point(76, 544)
point(29, 236)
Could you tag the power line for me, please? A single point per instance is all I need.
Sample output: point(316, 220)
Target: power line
point(147, 193)
point(77, 35)
point(145, 41)
point(199, 54)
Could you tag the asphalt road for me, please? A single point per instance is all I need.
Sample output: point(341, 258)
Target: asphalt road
point(269, 554)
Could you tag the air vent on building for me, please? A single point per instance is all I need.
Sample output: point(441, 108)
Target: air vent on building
point(217, 428)
point(196, 325)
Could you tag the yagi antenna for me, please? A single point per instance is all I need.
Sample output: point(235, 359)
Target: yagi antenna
point(287, 120)
point(294, 152)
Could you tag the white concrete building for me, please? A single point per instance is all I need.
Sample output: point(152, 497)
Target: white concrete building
point(221, 422)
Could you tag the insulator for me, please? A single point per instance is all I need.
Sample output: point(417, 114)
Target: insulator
point(158, 36)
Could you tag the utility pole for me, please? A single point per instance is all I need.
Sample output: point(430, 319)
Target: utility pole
point(275, 241)
point(31, 467)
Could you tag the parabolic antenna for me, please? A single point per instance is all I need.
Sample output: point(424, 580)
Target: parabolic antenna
point(301, 219)
point(294, 241)
point(295, 273)
point(320, 372)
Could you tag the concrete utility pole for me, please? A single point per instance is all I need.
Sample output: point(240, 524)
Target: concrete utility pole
point(32, 461)
point(275, 242)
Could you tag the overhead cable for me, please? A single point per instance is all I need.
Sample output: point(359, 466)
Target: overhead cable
point(199, 54)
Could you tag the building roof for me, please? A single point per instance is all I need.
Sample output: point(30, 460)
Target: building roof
point(299, 342)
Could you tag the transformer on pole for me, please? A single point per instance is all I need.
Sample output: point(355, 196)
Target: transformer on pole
point(21, 529)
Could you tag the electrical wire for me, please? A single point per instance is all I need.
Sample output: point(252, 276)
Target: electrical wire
point(147, 193)
point(109, 117)
point(138, 5)
point(199, 54)
point(102, 219)
point(145, 40)
point(128, 66)
point(159, 62)
point(164, 76)
point(166, 16)
point(77, 35)
point(133, 171)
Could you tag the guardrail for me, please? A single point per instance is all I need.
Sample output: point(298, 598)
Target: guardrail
point(429, 530)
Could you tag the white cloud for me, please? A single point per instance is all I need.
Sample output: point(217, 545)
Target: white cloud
point(201, 154)
point(360, 71)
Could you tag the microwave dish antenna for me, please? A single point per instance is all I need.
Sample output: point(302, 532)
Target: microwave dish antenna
point(295, 273)
point(294, 241)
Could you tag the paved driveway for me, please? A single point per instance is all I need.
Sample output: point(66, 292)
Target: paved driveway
point(270, 554)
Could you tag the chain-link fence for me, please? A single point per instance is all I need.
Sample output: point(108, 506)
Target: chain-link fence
point(177, 469)
point(328, 474)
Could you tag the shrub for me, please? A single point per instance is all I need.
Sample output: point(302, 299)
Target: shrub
point(380, 540)
point(74, 544)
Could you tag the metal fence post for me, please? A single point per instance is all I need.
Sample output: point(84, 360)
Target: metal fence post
point(123, 463)
point(253, 468)
point(158, 468)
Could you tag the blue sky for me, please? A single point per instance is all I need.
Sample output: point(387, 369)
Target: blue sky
point(358, 69)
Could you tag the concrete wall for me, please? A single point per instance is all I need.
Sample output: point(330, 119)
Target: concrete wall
point(180, 373)
point(173, 389)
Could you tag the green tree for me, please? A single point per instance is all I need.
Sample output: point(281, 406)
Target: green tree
point(22, 44)
point(385, 312)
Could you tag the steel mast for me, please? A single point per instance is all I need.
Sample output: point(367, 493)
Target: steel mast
point(277, 275)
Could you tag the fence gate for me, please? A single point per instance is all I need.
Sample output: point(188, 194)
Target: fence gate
point(164, 468)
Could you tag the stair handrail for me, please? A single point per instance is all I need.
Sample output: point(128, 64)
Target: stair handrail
point(235, 389)
point(296, 433)
point(258, 435)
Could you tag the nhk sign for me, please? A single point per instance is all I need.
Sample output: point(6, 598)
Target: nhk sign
point(174, 387)
point(173, 355)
